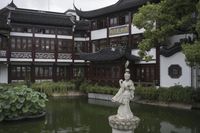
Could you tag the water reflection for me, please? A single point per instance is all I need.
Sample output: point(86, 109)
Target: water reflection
point(169, 128)
point(79, 115)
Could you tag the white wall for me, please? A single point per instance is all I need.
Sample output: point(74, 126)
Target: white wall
point(81, 39)
point(21, 60)
point(98, 34)
point(135, 30)
point(45, 35)
point(64, 37)
point(21, 34)
point(3, 74)
point(179, 59)
point(152, 52)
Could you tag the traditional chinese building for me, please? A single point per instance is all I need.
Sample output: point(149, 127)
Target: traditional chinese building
point(115, 39)
point(41, 45)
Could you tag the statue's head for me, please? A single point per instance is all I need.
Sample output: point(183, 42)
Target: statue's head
point(127, 74)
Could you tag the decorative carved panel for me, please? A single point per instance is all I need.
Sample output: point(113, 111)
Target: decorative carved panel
point(2, 53)
point(64, 56)
point(118, 30)
point(24, 55)
point(44, 55)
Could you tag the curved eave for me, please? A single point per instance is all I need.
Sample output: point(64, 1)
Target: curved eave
point(119, 6)
point(82, 25)
point(167, 52)
point(40, 18)
point(108, 54)
point(102, 55)
point(132, 57)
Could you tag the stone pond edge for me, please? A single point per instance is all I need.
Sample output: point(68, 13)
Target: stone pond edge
point(108, 97)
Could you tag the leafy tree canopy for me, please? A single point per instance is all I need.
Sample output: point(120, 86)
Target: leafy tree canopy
point(167, 18)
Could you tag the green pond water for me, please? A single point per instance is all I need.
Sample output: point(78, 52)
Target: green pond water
point(80, 115)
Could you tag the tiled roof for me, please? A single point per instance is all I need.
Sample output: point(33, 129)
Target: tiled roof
point(40, 17)
point(108, 54)
point(12, 4)
point(169, 51)
point(119, 6)
point(82, 25)
point(30, 16)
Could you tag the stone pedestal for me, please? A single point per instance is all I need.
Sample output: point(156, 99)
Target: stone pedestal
point(123, 125)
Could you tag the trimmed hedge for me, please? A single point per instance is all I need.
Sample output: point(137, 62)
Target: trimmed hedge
point(48, 87)
point(90, 88)
point(53, 87)
point(196, 96)
point(177, 94)
point(150, 93)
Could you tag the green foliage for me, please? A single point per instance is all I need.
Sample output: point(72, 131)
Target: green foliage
point(150, 93)
point(196, 96)
point(164, 19)
point(90, 88)
point(20, 102)
point(53, 87)
point(198, 18)
point(192, 53)
point(177, 94)
point(77, 82)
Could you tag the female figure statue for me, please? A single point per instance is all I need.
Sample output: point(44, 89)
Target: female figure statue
point(124, 95)
point(124, 121)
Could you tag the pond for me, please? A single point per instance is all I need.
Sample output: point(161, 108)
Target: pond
point(80, 115)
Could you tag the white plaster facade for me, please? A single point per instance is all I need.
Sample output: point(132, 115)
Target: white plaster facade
point(135, 30)
point(21, 34)
point(3, 73)
point(176, 59)
point(45, 60)
point(64, 37)
point(152, 53)
point(45, 35)
point(21, 60)
point(102, 33)
point(81, 39)
point(98, 34)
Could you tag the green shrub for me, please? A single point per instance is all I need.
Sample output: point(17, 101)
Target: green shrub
point(90, 88)
point(176, 94)
point(20, 102)
point(196, 95)
point(148, 93)
point(77, 82)
point(84, 86)
point(53, 87)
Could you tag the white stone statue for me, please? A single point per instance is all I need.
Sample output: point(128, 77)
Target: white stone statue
point(124, 95)
point(124, 121)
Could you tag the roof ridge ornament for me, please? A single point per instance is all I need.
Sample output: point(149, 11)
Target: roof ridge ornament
point(126, 65)
point(74, 4)
point(12, 5)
